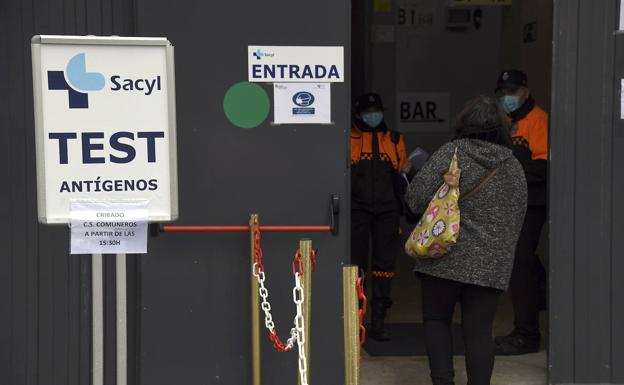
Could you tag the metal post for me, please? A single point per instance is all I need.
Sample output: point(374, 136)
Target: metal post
point(122, 320)
point(305, 246)
point(97, 319)
point(351, 325)
point(255, 309)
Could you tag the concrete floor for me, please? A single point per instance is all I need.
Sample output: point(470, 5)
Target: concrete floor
point(521, 370)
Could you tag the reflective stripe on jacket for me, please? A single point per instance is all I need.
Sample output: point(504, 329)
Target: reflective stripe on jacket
point(362, 147)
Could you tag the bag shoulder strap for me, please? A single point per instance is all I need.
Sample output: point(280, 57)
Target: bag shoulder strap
point(481, 185)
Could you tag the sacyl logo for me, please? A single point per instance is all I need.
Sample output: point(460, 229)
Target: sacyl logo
point(258, 54)
point(76, 81)
point(303, 100)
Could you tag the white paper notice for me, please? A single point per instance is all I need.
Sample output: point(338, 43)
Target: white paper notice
point(622, 100)
point(108, 227)
point(302, 103)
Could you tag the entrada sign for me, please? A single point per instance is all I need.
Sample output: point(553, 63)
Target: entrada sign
point(296, 64)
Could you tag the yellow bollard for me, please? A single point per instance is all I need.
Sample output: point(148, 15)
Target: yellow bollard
point(305, 246)
point(351, 325)
point(255, 308)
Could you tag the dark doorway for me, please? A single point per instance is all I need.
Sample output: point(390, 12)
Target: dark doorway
point(426, 59)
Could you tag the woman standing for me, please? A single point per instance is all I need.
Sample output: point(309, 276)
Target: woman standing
point(478, 268)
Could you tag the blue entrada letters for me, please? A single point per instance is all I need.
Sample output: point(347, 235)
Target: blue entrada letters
point(294, 71)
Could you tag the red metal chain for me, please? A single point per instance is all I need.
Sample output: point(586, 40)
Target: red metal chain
point(362, 312)
point(277, 342)
point(297, 266)
point(257, 251)
point(313, 256)
point(273, 336)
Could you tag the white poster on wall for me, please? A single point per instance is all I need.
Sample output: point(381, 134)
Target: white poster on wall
point(423, 111)
point(302, 103)
point(621, 15)
point(622, 99)
point(108, 227)
point(105, 123)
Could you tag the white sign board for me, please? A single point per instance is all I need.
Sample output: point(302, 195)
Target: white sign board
point(302, 103)
point(423, 111)
point(622, 99)
point(295, 64)
point(105, 123)
point(108, 227)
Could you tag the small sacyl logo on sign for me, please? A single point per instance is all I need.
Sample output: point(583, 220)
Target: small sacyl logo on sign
point(258, 54)
point(303, 100)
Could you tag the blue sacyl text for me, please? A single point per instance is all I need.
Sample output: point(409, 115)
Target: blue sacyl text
point(146, 85)
point(92, 145)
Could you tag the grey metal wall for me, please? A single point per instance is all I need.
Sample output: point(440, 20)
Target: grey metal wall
point(44, 293)
point(587, 142)
point(195, 292)
point(189, 297)
point(195, 323)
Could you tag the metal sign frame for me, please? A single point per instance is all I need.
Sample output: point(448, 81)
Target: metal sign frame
point(36, 43)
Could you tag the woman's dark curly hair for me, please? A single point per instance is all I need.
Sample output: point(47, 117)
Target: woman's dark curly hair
point(483, 119)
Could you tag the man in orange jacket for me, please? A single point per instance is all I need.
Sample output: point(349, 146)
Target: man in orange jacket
point(530, 139)
point(377, 156)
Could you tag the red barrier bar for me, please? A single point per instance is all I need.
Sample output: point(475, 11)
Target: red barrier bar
point(234, 229)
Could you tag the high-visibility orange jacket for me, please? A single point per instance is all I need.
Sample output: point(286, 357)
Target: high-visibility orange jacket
point(374, 168)
point(531, 148)
point(533, 128)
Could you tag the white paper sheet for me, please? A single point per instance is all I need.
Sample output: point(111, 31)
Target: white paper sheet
point(302, 103)
point(622, 100)
point(108, 227)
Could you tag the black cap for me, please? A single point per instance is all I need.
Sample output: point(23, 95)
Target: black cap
point(512, 80)
point(367, 101)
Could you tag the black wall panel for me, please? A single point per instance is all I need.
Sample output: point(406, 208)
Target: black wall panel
point(189, 300)
point(617, 263)
point(195, 288)
point(44, 292)
point(586, 165)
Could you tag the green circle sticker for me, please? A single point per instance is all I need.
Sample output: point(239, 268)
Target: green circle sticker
point(246, 105)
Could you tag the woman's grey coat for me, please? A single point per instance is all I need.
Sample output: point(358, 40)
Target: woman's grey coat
point(491, 219)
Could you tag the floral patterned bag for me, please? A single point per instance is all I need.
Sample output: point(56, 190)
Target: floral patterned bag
point(438, 229)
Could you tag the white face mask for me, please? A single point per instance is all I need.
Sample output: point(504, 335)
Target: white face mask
point(510, 103)
point(373, 119)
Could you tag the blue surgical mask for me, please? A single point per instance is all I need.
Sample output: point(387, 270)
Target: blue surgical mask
point(510, 103)
point(373, 119)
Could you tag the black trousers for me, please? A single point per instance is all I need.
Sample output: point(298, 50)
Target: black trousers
point(527, 273)
point(383, 228)
point(478, 307)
